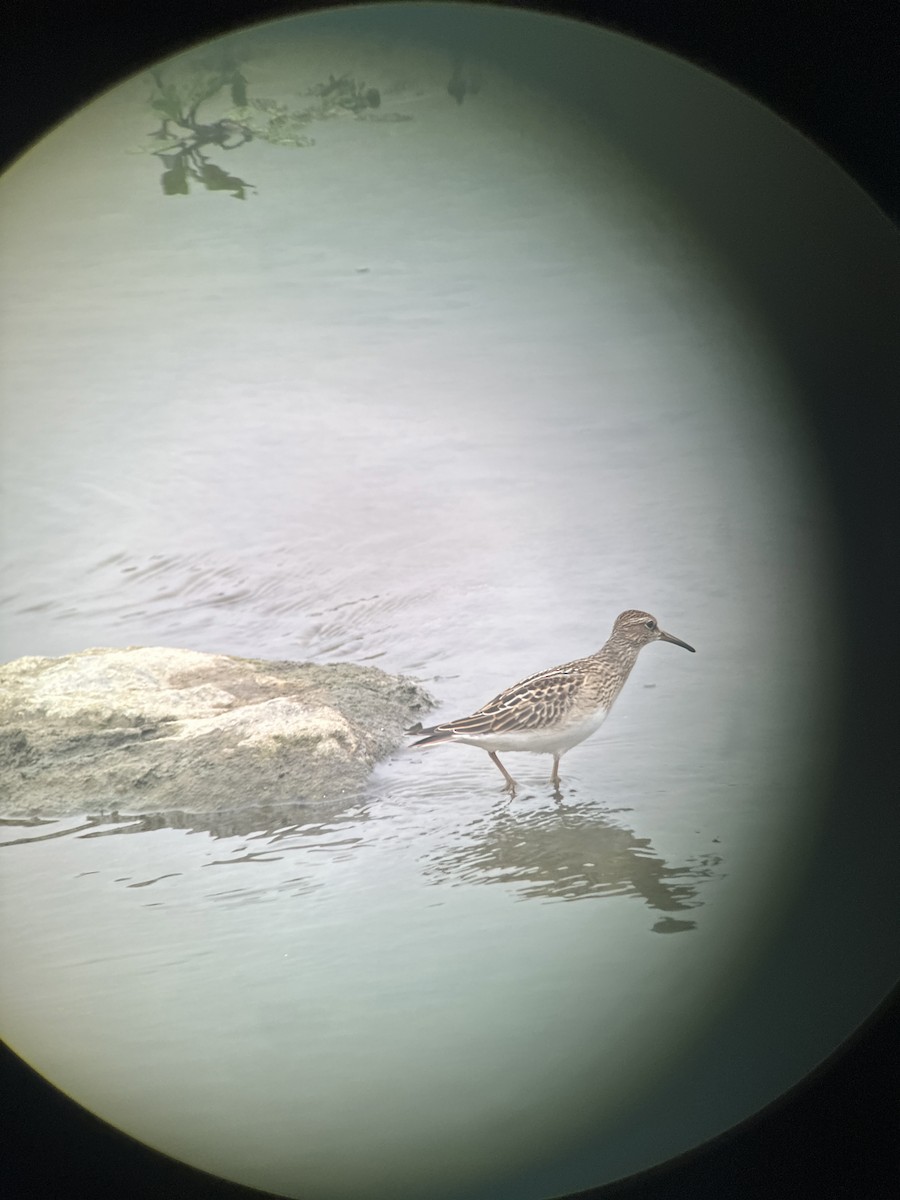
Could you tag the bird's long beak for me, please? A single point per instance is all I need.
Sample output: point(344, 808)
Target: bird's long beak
point(667, 637)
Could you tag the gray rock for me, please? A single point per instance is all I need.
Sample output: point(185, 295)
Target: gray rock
point(149, 730)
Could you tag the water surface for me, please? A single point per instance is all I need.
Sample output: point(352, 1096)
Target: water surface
point(445, 395)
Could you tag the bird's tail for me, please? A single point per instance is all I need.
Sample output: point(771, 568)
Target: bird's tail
point(433, 736)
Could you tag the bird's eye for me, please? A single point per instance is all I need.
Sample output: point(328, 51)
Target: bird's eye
point(650, 624)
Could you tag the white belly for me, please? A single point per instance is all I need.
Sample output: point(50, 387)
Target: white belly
point(538, 741)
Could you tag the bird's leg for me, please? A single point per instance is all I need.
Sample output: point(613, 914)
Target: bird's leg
point(510, 782)
point(554, 778)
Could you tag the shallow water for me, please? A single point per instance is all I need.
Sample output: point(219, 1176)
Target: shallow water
point(444, 395)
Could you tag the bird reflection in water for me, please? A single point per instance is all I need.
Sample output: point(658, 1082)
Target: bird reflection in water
point(572, 852)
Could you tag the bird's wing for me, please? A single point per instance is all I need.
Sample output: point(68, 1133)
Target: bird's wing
point(537, 701)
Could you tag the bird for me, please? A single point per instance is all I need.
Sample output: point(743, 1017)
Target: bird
point(554, 710)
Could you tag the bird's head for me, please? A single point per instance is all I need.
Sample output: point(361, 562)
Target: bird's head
point(639, 628)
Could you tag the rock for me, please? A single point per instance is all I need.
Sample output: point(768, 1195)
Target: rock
point(149, 730)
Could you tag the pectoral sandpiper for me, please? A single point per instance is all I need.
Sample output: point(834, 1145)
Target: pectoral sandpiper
point(553, 711)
